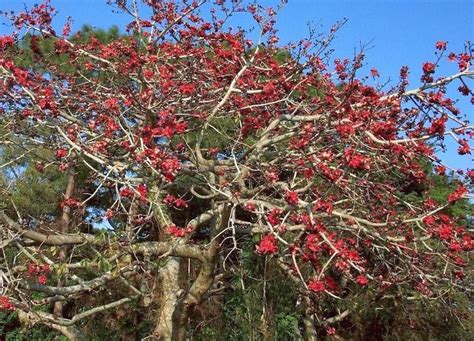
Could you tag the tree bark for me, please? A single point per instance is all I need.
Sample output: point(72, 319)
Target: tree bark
point(310, 332)
point(64, 228)
point(31, 318)
point(170, 291)
point(309, 329)
point(176, 306)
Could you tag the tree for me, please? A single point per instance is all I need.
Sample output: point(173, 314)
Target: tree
point(199, 151)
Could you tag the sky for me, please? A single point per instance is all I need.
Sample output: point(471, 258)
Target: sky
point(400, 32)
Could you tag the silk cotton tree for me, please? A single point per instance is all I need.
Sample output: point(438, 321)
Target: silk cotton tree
point(201, 143)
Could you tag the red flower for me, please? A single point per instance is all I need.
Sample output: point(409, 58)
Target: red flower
point(356, 160)
point(439, 125)
point(312, 243)
point(292, 198)
point(171, 200)
point(42, 279)
point(148, 74)
point(331, 330)
point(464, 147)
point(45, 268)
point(345, 130)
point(60, 153)
point(111, 104)
point(33, 269)
point(109, 213)
point(180, 203)
point(178, 231)
point(316, 285)
point(268, 245)
point(362, 280)
point(70, 202)
point(250, 206)
point(331, 284)
point(457, 194)
point(143, 190)
point(5, 303)
point(39, 166)
point(274, 216)
point(428, 67)
point(445, 231)
point(126, 192)
point(271, 176)
point(441, 45)
point(441, 170)
point(186, 89)
point(374, 72)
point(6, 41)
point(470, 174)
point(455, 247)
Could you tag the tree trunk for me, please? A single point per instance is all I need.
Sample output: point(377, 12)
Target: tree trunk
point(310, 332)
point(176, 306)
point(309, 329)
point(169, 292)
point(64, 228)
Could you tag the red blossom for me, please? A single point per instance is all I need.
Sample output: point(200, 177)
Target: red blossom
point(345, 130)
point(292, 198)
point(464, 147)
point(63, 167)
point(312, 243)
point(268, 245)
point(70, 202)
point(38, 270)
point(441, 170)
point(272, 175)
point(60, 153)
point(111, 104)
point(39, 166)
point(6, 304)
point(374, 72)
point(362, 280)
point(428, 67)
point(316, 285)
point(356, 160)
point(274, 216)
point(42, 279)
point(186, 89)
point(6, 41)
point(127, 192)
point(250, 206)
point(438, 126)
point(441, 45)
point(457, 194)
point(171, 200)
point(178, 232)
point(331, 284)
point(109, 213)
point(143, 191)
point(470, 174)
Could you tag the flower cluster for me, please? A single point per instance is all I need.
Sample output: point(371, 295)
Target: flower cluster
point(6, 304)
point(39, 271)
point(268, 245)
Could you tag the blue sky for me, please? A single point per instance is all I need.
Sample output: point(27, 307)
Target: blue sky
point(401, 32)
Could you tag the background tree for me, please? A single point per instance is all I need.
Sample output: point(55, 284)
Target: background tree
point(206, 157)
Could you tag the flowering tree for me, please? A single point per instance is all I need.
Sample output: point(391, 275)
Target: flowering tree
point(187, 141)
